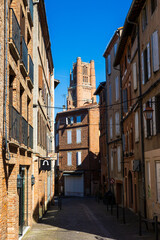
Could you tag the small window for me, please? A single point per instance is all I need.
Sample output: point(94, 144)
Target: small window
point(144, 18)
point(78, 156)
point(69, 120)
point(69, 158)
point(153, 5)
point(125, 100)
point(78, 119)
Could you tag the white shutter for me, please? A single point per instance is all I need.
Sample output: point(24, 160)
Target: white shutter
point(119, 158)
point(69, 136)
point(78, 158)
point(78, 133)
point(148, 61)
point(148, 179)
point(144, 122)
point(155, 51)
point(66, 121)
point(151, 121)
point(158, 180)
point(154, 115)
point(69, 158)
point(142, 60)
point(136, 127)
point(117, 123)
point(134, 76)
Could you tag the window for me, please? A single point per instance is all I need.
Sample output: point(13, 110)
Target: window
point(69, 120)
point(119, 158)
point(69, 158)
point(115, 49)
point(153, 5)
point(134, 69)
point(129, 54)
point(78, 156)
point(78, 119)
point(158, 180)
point(57, 139)
point(155, 51)
point(111, 128)
point(69, 136)
point(117, 122)
point(148, 180)
point(125, 100)
point(144, 18)
point(146, 66)
point(84, 70)
point(110, 94)
point(136, 127)
point(117, 88)
point(78, 135)
point(109, 64)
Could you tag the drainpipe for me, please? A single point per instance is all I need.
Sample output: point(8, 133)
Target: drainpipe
point(141, 120)
point(6, 80)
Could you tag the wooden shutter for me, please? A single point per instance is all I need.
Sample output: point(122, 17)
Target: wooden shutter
point(134, 66)
point(69, 136)
point(117, 123)
point(111, 128)
point(109, 64)
point(117, 88)
point(144, 122)
point(142, 64)
point(40, 77)
point(78, 133)
point(154, 115)
point(119, 158)
point(78, 158)
point(155, 51)
point(148, 61)
point(158, 180)
point(136, 127)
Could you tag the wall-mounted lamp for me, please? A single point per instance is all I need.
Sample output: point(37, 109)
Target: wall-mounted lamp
point(148, 113)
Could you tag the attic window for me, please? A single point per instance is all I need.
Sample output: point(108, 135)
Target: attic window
point(69, 120)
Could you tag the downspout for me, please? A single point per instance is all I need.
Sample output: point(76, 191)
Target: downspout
point(6, 80)
point(141, 119)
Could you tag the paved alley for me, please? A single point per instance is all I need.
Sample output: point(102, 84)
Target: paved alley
point(83, 219)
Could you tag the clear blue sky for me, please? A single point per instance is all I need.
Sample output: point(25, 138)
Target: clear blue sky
point(81, 29)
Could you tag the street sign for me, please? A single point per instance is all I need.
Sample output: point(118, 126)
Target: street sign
point(112, 181)
point(46, 165)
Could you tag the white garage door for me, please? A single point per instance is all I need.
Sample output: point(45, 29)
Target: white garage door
point(74, 186)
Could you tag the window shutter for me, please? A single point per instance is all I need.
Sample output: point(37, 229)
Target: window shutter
point(151, 121)
point(117, 88)
point(154, 115)
point(155, 51)
point(69, 158)
point(57, 159)
point(135, 76)
point(109, 64)
point(148, 61)
point(78, 158)
point(78, 133)
point(111, 128)
point(111, 160)
point(142, 59)
point(69, 136)
point(117, 123)
point(66, 121)
point(144, 122)
point(119, 158)
point(136, 127)
point(158, 180)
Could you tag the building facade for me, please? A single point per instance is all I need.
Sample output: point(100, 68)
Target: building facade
point(77, 145)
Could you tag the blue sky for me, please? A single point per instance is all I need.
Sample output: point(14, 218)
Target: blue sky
point(81, 29)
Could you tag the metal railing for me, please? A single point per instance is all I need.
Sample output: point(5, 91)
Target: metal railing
point(14, 30)
point(14, 124)
point(24, 53)
point(30, 6)
point(30, 140)
point(31, 69)
point(24, 131)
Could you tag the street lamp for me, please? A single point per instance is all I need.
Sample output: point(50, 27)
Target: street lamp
point(148, 113)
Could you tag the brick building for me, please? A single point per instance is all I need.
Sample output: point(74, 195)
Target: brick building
point(77, 135)
point(77, 145)
point(16, 161)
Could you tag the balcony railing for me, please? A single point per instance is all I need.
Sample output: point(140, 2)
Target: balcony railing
point(24, 53)
point(31, 69)
point(14, 30)
point(14, 124)
point(30, 9)
point(24, 131)
point(30, 140)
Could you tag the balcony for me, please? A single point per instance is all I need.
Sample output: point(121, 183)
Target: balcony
point(14, 35)
point(24, 131)
point(30, 139)
point(14, 129)
point(30, 12)
point(30, 72)
point(24, 57)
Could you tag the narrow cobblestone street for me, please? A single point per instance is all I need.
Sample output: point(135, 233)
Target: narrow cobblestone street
point(84, 218)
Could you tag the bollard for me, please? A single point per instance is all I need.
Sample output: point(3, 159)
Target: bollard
point(156, 228)
point(140, 224)
point(117, 211)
